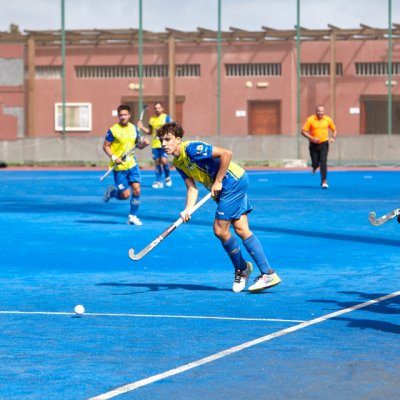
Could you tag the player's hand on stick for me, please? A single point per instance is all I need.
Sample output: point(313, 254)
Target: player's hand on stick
point(116, 160)
point(185, 215)
point(216, 189)
point(143, 143)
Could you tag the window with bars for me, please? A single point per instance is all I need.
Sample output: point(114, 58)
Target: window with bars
point(48, 72)
point(319, 69)
point(187, 70)
point(266, 69)
point(132, 71)
point(376, 68)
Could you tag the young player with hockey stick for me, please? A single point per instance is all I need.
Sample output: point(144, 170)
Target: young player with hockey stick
point(228, 183)
point(121, 136)
point(161, 162)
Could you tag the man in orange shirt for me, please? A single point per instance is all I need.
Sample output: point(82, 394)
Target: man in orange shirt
point(316, 130)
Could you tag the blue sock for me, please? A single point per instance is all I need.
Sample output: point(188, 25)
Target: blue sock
point(158, 172)
point(231, 246)
point(254, 248)
point(166, 171)
point(135, 203)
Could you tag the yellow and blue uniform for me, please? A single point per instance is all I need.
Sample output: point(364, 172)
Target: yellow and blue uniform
point(122, 139)
point(156, 122)
point(196, 162)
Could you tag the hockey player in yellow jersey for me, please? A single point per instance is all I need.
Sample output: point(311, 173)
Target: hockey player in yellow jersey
point(120, 139)
point(160, 158)
point(213, 167)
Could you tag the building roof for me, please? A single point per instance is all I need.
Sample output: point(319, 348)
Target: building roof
point(132, 36)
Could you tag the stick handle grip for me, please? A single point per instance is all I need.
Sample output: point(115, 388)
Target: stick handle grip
point(123, 158)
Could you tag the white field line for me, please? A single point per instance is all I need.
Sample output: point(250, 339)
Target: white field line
point(147, 381)
point(13, 312)
point(299, 199)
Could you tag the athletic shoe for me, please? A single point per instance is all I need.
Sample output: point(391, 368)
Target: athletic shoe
point(324, 185)
point(157, 185)
point(168, 182)
point(107, 194)
point(134, 220)
point(264, 281)
point(241, 278)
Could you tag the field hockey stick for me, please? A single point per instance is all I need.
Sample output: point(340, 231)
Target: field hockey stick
point(123, 158)
point(167, 232)
point(385, 218)
point(144, 108)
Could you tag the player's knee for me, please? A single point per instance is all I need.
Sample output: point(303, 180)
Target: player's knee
point(221, 234)
point(136, 192)
point(243, 233)
point(123, 195)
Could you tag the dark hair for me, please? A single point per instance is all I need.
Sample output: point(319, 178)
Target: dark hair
point(174, 128)
point(124, 107)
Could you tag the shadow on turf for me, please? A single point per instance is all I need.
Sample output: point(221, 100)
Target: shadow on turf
point(390, 306)
point(155, 287)
point(330, 235)
point(92, 221)
point(94, 209)
point(380, 326)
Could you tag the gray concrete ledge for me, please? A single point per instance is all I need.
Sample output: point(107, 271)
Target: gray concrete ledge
point(276, 150)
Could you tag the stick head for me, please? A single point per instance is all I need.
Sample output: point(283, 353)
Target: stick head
point(372, 218)
point(132, 255)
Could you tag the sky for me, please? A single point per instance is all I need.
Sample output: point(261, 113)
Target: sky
point(188, 15)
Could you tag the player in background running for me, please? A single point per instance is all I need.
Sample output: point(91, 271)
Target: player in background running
point(161, 163)
point(120, 138)
point(211, 166)
point(316, 130)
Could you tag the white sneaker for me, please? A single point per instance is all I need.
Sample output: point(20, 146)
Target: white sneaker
point(107, 194)
point(241, 278)
point(325, 185)
point(134, 220)
point(168, 182)
point(264, 281)
point(157, 185)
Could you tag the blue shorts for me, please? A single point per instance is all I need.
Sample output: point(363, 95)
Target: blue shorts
point(159, 153)
point(233, 201)
point(124, 178)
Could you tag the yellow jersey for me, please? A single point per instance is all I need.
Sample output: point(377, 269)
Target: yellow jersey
point(123, 139)
point(156, 122)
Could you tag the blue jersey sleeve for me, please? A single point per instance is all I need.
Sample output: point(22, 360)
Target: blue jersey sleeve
point(168, 119)
point(199, 151)
point(109, 136)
